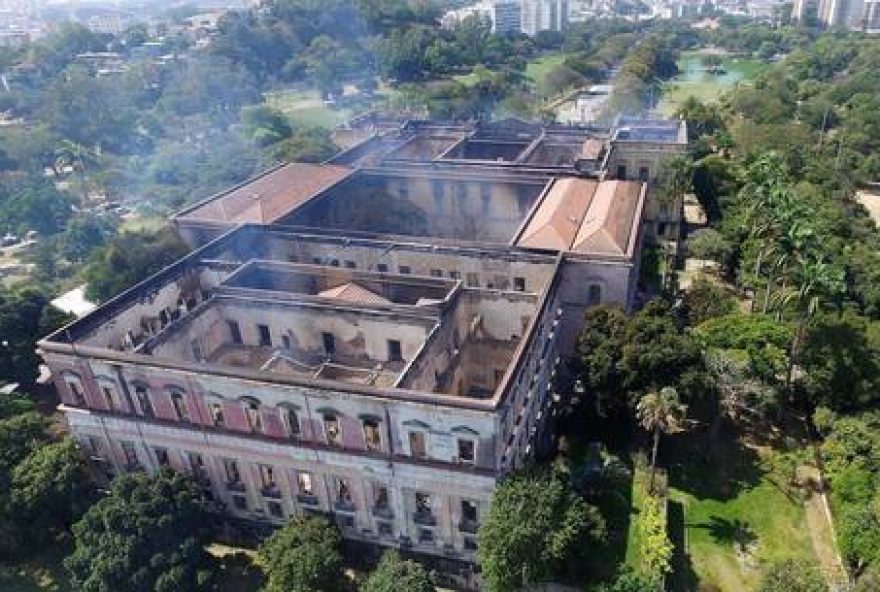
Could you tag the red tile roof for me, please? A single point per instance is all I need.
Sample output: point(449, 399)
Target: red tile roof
point(269, 196)
point(354, 292)
point(585, 216)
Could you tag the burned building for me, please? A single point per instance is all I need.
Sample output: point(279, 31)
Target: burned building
point(375, 338)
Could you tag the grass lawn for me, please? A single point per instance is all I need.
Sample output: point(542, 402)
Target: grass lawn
point(694, 82)
point(729, 518)
point(305, 107)
point(538, 68)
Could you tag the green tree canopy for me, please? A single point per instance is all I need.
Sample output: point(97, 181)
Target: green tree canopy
point(394, 574)
point(538, 529)
point(792, 576)
point(303, 556)
point(130, 258)
point(148, 535)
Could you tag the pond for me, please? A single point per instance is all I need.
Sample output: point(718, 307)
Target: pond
point(695, 80)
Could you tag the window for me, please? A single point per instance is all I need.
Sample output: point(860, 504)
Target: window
point(234, 332)
point(334, 262)
point(343, 491)
point(594, 294)
point(382, 267)
point(405, 270)
point(180, 407)
point(403, 191)
point(426, 535)
point(142, 394)
point(161, 457)
point(423, 503)
point(265, 336)
point(350, 264)
point(332, 432)
point(455, 275)
point(661, 229)
point(252, 410)
point(285, 342)
point(469, 511)
point(384, 529)
point(275, 510)
point(317, 260)
point(240, 503)
point(130, 453)
point(197, 464)
point(217, 417)
point(372, 435)
point(438, 273)
point(395, 353)
point(230, 469)
point(417, 447)
point(621, 171)
point(109, 397)
point(304, 483)
point(77, 392)
point(93, 445)
point(644, 174)
point(472, 280)
point(381, 499)
point(466, 451)
point(470, 543)
point(519, 284)
point(329, 343)
point(268, 486)
point(291, 421)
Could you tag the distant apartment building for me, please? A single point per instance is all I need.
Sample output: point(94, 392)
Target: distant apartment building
point(544, 15)
point(859, 15)
point(503, 14)
point(377, 339)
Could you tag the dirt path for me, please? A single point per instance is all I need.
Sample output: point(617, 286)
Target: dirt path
point(822, 534)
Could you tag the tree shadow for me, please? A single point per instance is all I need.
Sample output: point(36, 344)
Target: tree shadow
point(683, 577)
point(735, 532)
point(238, 573)
point(733, 467)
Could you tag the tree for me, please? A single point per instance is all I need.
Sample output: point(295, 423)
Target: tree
point(792, 576)
point(50, 488)
point(660, 413)
point(148, 535)
point(130, 258)
point(303, 556)
point(537, 529)
point(709, 244)
point(394, 574)
point(600, 348)
point(630, 581)
point(704, 300)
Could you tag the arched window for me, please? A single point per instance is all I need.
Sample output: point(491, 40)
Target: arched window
point(74, 385)
point(290, 418)
point(109, 392)
point(332, 431)
point(252, 411)
point(178, 401)
point(144, 403)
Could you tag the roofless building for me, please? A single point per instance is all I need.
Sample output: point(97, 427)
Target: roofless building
point(375, 338)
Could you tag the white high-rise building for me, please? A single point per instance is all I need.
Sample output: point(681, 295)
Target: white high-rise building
point(504, 15)
point(544, 15)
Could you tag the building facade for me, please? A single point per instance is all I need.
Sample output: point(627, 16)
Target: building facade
point(375, 339)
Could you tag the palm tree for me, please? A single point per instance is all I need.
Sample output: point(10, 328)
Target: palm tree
point(660, 412)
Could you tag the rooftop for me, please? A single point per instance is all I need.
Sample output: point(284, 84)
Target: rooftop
point(587, 217)
point(269, 196)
